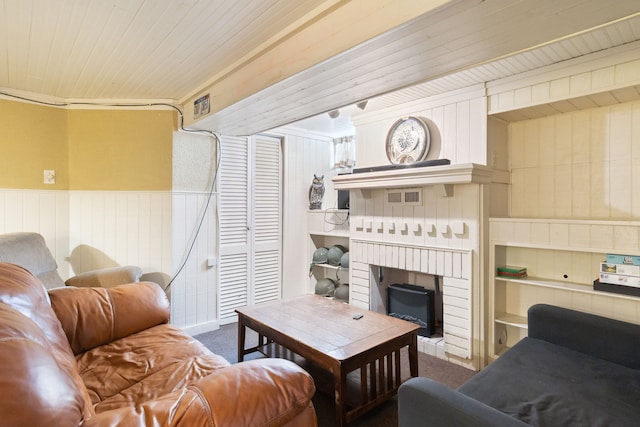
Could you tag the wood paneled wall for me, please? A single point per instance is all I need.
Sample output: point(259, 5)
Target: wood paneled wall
point(86, 230)
point(457, 122)
point(194, 292)
point(46, 212)
point(304, 155)
point(577, 165)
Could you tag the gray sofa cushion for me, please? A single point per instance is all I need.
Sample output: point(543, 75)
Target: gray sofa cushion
point(544, 384)
point(30, 251)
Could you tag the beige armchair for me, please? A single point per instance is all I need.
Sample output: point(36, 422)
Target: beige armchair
point(29, 250)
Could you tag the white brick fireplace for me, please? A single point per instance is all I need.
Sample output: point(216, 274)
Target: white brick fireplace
point(439, 234)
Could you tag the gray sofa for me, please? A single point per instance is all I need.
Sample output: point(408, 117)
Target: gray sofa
point(573, 369)
point(29, 250)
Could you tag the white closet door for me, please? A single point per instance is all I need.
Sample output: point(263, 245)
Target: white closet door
point(250, 223)
point(267, 226)
point(234, 225)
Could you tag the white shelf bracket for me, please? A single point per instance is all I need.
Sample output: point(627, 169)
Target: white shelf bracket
point(445, 190)
point(364, 193)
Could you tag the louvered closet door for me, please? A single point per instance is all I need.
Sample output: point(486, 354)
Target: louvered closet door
point(267, 225)
point(250, 223)
point(234, 225)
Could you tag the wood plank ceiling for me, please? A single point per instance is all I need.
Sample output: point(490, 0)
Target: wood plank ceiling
point(131, 49)
point(167, 50)
point(456, 38)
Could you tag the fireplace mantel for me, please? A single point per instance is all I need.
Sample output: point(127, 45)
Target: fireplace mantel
point(445, 176)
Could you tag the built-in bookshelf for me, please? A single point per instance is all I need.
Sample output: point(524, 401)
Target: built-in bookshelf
point(562, 258)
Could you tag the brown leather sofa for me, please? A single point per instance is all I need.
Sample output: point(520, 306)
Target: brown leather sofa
point(108, 357)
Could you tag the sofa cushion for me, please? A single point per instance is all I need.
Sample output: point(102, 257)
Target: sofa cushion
point(29, 250)
point(544, 384)
point(95, 316)
point(31, 377)
point(25, 293)
point(144, 366)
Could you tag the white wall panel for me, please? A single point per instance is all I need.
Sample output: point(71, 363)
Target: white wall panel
point(194, 292)
point(304, 154)
point(109, 228)
point(457, 123)
point(95, 229)
point(577, 165)
point(41, 211)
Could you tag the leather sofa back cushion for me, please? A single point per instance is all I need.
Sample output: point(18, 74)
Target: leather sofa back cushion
point(25, 294)
point(109, 313)
point(31, 378)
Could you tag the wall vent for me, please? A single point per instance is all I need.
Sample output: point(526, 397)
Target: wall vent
point(413, 197)
point(394, 197)
point(404, 196)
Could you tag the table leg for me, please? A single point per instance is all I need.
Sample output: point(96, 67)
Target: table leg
point(340, 381)
point(413, 356)
point(242, 331)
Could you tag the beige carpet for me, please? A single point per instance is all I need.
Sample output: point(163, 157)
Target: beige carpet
point(224, 342)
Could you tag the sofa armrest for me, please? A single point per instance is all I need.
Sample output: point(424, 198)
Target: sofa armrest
point(106, 277)
point(601, 337)
point(95, 316)
point(424, 402)
point(265, 392)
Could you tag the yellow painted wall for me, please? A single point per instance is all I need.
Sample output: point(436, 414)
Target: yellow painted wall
point(32, 138)
point(120, 149)
point(87, 149)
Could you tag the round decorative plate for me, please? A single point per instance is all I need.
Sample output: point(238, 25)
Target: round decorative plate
point(408, 141)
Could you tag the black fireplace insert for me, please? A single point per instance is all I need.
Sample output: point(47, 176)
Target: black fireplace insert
point(415, 304)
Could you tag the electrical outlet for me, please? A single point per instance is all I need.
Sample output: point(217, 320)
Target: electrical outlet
point(49, 176)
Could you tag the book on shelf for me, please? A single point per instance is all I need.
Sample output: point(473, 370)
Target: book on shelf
point(619, 279)
point(623, 269)
point(623, 259)
point(512, 271)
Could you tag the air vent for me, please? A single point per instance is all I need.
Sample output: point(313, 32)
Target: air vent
point(405, 196)
point(394, 197)
point(412, 196)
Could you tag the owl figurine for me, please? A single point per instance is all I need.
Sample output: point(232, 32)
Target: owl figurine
point(316, 192)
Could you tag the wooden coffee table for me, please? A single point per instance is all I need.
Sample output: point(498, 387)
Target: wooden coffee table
point(324, 334)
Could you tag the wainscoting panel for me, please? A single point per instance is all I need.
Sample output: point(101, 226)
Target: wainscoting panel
point(109, 228)
point(194, 291)
point(87, 230)
point(43, 211)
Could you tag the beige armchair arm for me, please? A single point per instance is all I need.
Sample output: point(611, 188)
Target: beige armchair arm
point(106, 277)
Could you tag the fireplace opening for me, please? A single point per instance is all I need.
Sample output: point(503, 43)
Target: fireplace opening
point(415, 304)
point(409, 295)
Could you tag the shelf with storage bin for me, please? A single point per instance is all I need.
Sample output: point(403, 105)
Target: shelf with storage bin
point(336, 269)
point(562, 258)
point(327, 228)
